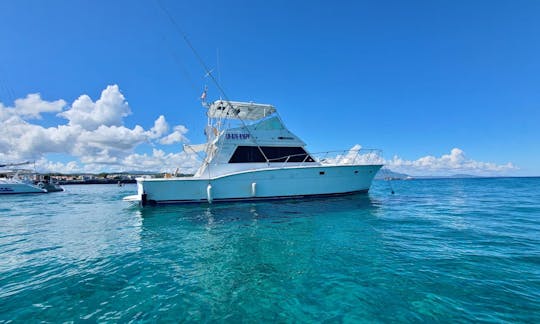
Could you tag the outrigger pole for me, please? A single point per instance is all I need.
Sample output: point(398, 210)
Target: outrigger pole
point(15, 164)
point(209, 73)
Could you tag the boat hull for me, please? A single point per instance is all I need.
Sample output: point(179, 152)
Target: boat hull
point(19, 188)
point(261, 184)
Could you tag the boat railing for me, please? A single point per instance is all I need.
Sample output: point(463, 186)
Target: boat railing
point(352, 156)
point(340, 157)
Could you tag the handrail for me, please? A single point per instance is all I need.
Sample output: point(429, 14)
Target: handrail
point(341, 157)
point(325, 158)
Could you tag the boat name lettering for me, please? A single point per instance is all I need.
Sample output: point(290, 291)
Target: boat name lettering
point(237, 136)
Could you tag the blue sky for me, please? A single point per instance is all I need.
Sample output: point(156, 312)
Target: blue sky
point(414, 78)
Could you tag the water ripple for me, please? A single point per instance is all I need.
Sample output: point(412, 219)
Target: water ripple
point(437, 250)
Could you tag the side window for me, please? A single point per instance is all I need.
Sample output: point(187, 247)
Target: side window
point(289, 154)
point(247, 154)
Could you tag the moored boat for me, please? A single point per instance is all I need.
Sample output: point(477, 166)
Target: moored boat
point(251, 155)
point(20, 182)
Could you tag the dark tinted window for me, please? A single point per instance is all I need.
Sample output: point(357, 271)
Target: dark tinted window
point(246, 154)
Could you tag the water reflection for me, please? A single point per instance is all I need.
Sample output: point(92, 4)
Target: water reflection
point(220, 254)
point(264, 209)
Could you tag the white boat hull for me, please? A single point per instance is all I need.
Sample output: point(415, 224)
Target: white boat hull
point(270, 183)
point(19, 188)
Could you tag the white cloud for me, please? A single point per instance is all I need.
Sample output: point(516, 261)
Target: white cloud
point(177, 136)
point(161, 127)
point(108, 110)
point(96, 138)
point(163, 162)
point(44, 165)
point(448, 164)
point(94, 133)
point(454, 163)
point(31, 107)
point(354, 155)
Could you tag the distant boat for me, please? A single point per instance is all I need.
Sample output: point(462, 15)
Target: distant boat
point(258, 158)
point(19, 182)
point(15, 185)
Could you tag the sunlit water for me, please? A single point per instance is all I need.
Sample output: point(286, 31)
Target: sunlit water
point(437, 250)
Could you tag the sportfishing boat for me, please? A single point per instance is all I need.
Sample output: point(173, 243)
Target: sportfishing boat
point(250, 155)
point(20, 182)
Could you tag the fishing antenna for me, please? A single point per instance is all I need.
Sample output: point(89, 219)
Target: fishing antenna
point(209, 73)
point(184, 36)
point(217, 66)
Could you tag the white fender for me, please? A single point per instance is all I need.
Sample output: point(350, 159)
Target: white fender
point(253, 189)
point(209, 193)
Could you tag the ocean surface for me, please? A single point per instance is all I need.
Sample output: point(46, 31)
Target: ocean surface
point(455, 250)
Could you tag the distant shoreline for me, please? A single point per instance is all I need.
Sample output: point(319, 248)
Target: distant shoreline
point(95, 181)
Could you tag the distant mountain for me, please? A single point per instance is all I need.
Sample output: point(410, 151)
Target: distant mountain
point(385, 173)
point(465, 176)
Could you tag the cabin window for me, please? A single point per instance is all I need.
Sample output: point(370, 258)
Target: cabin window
point(250, 154)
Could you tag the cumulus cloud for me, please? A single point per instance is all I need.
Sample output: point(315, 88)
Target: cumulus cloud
point(177, 136)
point(108, 110)
point(354, 155)
point(94, 134)
point(448, 164)
point(163, 162)
point(45, 165)
point(454, 163)
point(158, 161)
point(161, 127)
point(31, 107)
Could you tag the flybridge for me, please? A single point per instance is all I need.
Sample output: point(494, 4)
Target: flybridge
point(239, 110)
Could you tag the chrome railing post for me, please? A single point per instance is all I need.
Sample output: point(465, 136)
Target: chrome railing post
point(355, 156)
point(286, 160)
point(304, 160)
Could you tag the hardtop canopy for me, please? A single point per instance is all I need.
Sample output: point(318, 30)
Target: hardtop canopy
point(239, 110)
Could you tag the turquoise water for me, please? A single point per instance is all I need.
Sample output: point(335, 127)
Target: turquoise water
point(437, 250)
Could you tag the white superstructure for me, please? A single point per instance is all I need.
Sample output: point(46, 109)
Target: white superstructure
point(250, 155)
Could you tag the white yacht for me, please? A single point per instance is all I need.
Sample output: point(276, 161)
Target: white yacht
point(16, 185)
point(251, 155)
point(20, 182)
